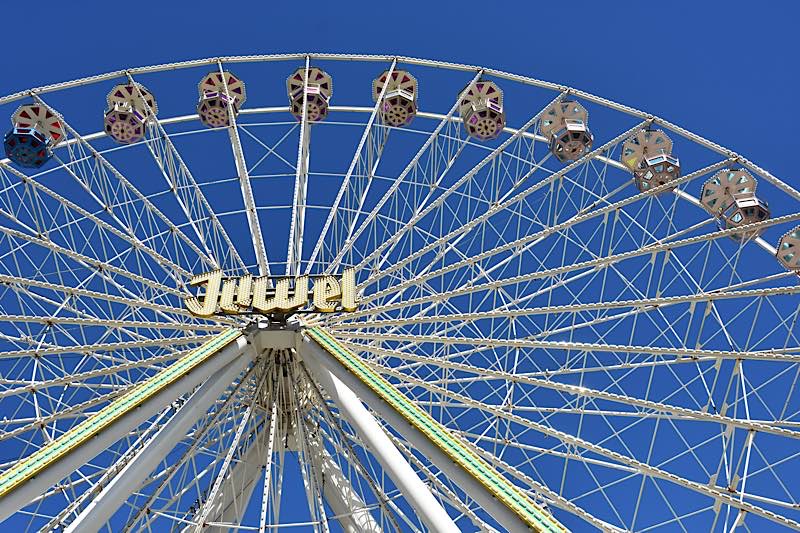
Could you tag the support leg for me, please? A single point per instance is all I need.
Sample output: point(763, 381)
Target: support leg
point(372, 434)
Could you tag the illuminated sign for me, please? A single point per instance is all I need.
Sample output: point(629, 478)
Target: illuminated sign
point(265, 294)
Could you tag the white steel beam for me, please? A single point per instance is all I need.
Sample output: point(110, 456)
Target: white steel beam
point(201, 438)
point(479, 492)
point(74, 507)
point(656, 302)
point(259, 249)
point(347, 177)
point(83, 378)
point(237, 489)
point(429, 145)
point(131, 477)
point(171, 269)
point(372, 434)
point(443, 487)
point(501, 206)
point(187, 192)
point(110, 323)
point(100, 185)
point(345, 449)
point(597, 263)
point(575, 390)
point(89, 262)
point(294, 252)
point(73, 291)
point(489, 160)
point(719, 494)
point(267, 485)
point(13, 501)
point(106, 347)
point(74, 411)
point(788, 354)
point(215, 502)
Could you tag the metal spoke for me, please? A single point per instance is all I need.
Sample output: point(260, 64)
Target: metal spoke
point(294, 250)
point(190, 197)
point(353, 236)
point(346, 185)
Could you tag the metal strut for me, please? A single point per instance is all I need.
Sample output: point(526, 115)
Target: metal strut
point(419, 496)
point(440, 445)
point(103, 506)
point(30, 476)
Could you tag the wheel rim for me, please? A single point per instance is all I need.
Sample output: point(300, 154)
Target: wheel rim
point(613, 352)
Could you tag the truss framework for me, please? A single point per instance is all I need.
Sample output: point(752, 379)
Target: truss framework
point(615, 357)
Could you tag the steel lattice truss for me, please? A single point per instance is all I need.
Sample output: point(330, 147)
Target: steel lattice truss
point(619, 353)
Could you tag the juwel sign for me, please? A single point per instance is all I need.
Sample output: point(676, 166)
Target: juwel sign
point(248, 294)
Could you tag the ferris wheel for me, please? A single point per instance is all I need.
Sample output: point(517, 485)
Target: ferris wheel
point(440, 298)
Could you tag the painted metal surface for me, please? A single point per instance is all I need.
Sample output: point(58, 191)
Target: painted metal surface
point(532, 514)
point(75, 437)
